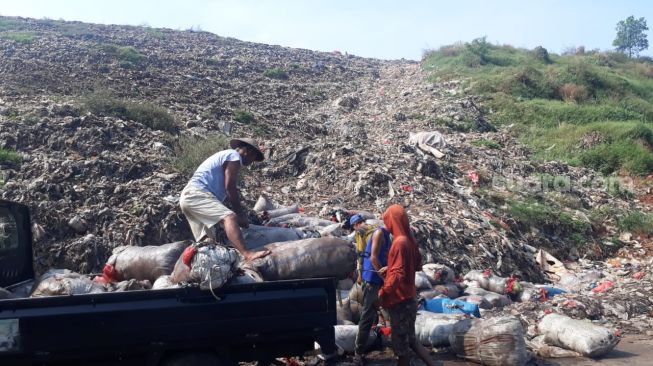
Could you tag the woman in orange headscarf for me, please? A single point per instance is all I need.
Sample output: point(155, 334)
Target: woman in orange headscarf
point(398, 292)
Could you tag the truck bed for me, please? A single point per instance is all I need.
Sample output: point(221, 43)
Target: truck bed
point(245, 323)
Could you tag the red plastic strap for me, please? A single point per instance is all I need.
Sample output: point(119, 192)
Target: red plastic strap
point(544, 294)
point(510, 285)
point(188, 254)
point(110, 274)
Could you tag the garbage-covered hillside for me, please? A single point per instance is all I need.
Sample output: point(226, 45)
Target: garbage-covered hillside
point(98, 124)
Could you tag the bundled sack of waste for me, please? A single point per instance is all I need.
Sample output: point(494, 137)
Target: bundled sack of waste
point(581, 336)
point(451, 290)
point(433, 329)
point(58, 282)
point(307, 258)
point(129, 285)
point(496, 300)
point(142, 263)
point(488, 281)
point(257, 236)
point(480, 301)
point(346, 338)
point(438, 274)
point(422, 281)
point(299, 220)
point(245, 275)
point(493, 342)
point(208, 265)
point(539, 347)
point(164, 282)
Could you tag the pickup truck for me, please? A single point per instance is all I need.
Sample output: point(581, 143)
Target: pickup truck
point(178, 326)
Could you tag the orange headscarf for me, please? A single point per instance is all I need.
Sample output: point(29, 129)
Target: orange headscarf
point(396, 221)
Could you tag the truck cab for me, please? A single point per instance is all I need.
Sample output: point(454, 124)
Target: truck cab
point(178, 326)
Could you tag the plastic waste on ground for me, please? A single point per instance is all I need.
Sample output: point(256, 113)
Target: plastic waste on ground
point(449, 306)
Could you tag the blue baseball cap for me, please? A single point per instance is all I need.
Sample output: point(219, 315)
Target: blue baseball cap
point(355, 219)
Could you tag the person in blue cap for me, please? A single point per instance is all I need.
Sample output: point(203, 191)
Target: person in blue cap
point(373, 256)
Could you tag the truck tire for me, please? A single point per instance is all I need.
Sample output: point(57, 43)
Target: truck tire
point(193, 359)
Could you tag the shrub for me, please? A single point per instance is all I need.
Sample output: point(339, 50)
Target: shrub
point(9, 156)
point(540, 53)
point(571, 92)
point(637, 222)
point(190, 152)
point(20, 37)
point(151, 115)
point(487, 143)
point(479, 47)
point(128, 56)
point(276, 73)
point(243, 116)
point(10, 25)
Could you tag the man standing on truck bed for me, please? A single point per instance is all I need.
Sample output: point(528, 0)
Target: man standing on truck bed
point(214, 183)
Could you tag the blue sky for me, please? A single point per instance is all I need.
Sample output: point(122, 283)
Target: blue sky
point(371, 28)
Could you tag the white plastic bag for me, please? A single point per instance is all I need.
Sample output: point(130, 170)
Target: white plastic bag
point(211, 266)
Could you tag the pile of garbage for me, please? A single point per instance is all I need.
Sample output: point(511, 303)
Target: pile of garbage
point(482, 317)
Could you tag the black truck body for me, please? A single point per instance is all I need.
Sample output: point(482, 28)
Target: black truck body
point(238, 323)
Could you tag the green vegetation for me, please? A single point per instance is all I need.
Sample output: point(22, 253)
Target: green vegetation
point(631, 36)
point(10, 25)
point(586, 108)
point(190, 152)
point(276, 73)
point(155, 33)
point(9, 156)
point(550, 218)
point(151, 115)
point(243, 116)
point(637, 223)
point(487, 143)
point(128, 56)
point(20, 37)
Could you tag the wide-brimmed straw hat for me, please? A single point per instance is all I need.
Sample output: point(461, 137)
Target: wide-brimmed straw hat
point(251, 143)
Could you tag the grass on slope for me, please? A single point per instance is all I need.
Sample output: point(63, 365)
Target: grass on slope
point(556, 102)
